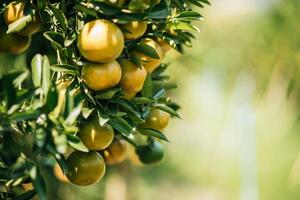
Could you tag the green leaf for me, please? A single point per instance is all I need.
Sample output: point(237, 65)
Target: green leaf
point(10, 91)
point(161, 11)
point(36, 67)
point(105, 8)
point(85, 10)
point(75, 112)
point(61, 18)
point(131, 16)
point(55, 38)
point(70, 39)
point(205, 1)
point(86, 112)
point(52, 99)
point(103, 119)
point(136, 60)
point(122, 126)
point(46, 75)
point(148, 87)
point(128, 106)
point(38, 183)
point(25, 116)
point(153, 133)
point(41, 4)
point(189, 15)
point(69, 104)
point(58, 157)
point(107, 94)
point(21, 78)
point(19, 24)
point(26, 196)
point(179, 25)
point(159, 93)
point(142, 100)
point(25, 96)
point(64, 68)
point(40, 137)
point(76, 143)
point(147, 50)
point(138, 5)
point(168, 110)
point(87, 94)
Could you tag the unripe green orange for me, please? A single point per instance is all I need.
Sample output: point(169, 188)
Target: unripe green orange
point(13, 43)
point(95, 136)
point(85, 168)
point(151, 154)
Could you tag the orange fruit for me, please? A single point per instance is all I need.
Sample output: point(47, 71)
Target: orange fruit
point(148, 62)
point(128, 96)
point(157, 119)
point(100, 76)
point(164, 45)
point(100, 41)
point(95, 136)
point(151, 154)
point(27, 186)
point(14, 11)
point(133, 77)
point(13, 43)
point(85, 168)
point(116, 152)
point(59, 174)
point(134, 29)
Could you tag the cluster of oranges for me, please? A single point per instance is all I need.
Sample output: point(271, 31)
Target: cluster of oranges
point(101, 42)
point(18, 42)
point(86, 168)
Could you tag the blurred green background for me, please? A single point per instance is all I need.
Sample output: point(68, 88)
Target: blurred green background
point(239, 137)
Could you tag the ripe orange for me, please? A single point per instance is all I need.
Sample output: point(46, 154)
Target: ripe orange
point(157, 119)
point(95, 136)
point(59, 174)
point(164, 45)
point(134, 29)
point(27, 186)
point(116, 152)
point(13, 43)
point(133, 77)
point(128, 96)
point(148, 62)
point(85, 168)
point(100, 41)
point(100, 76)
point(14, 11)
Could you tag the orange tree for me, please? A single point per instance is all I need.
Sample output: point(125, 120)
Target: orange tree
point(95, 82)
